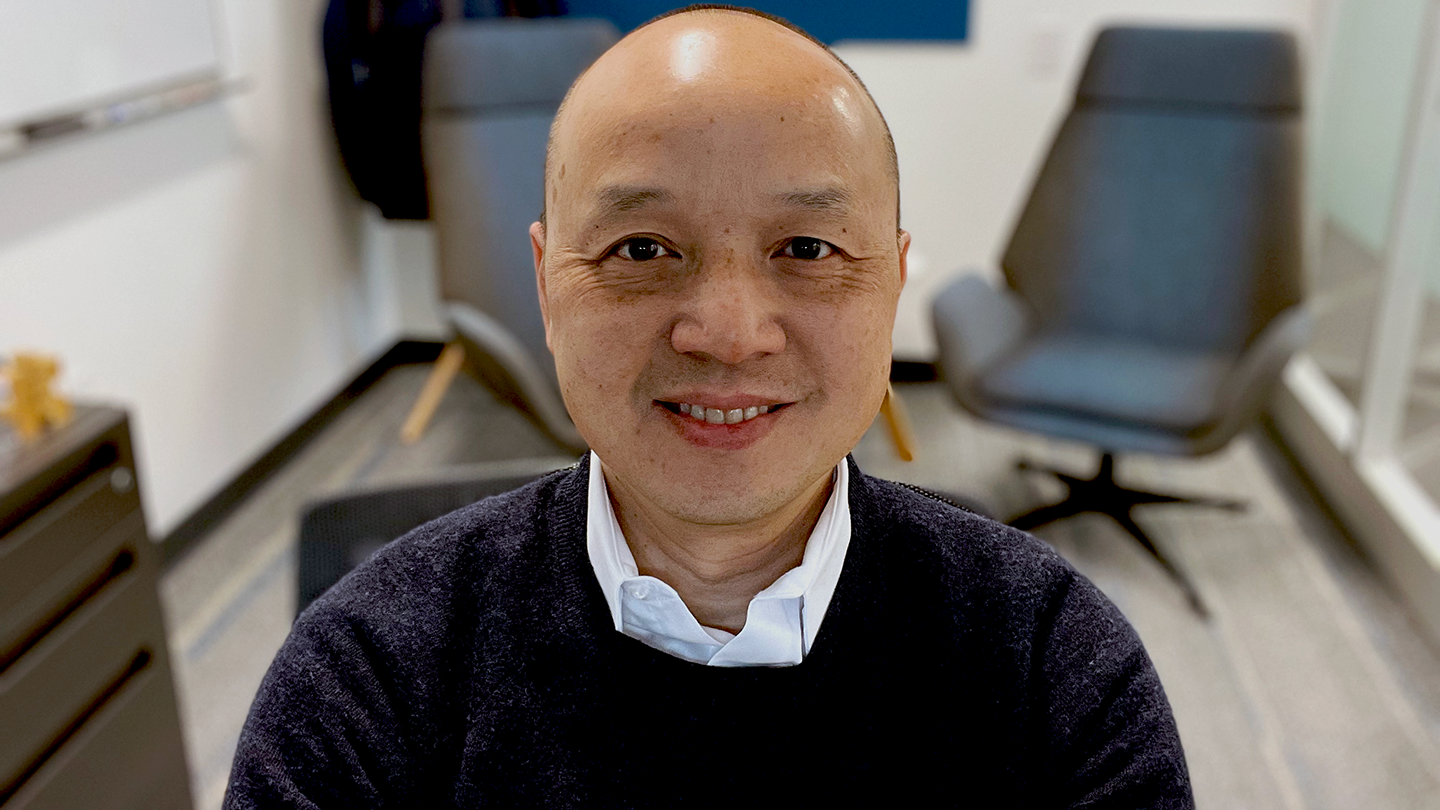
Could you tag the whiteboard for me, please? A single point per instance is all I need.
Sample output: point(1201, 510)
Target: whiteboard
point(63, 56)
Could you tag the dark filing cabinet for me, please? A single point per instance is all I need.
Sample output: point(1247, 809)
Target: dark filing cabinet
point(88, 717)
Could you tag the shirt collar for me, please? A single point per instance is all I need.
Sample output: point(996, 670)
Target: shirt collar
point(782, 621)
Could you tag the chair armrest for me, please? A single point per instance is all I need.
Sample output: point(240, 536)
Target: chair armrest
point(975, 325)
point(1251, 382)
point(534, 382)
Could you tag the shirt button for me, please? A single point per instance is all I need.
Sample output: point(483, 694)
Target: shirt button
point(639, 590)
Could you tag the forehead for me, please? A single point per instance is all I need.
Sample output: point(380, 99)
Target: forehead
point(707, 105)
point(706, 130)
point(747, 160)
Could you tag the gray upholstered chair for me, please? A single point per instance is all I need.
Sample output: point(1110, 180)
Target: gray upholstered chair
point(491, 90)
point(1153, 281)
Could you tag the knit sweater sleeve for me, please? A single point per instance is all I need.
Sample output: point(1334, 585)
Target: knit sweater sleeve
point(367, 704)
point(358, 708)
point(1108, 727)
point(322, 731)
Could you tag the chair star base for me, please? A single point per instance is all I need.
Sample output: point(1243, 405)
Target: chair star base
point(1102, 495)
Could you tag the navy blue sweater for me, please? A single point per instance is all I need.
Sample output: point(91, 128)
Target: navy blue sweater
point(474, 663)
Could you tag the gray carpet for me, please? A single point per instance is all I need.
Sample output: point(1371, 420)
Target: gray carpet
point(1309, 688)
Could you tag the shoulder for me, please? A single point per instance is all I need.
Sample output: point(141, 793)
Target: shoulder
point(993, 591)
point(416, 600)
point(374, 670)
point(444, 562)
point(1100, 727)
point(986, 558)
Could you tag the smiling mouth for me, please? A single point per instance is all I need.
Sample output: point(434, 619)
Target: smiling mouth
point(720, 416)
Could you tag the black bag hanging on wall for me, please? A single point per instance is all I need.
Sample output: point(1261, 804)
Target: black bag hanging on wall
point(373, 52)
point(372, 60)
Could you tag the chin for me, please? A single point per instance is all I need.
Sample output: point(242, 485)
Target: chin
point(744, 501)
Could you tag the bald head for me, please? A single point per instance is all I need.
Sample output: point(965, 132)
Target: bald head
point(705, 57)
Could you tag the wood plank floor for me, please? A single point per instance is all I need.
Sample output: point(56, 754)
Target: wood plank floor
point(1308, 688)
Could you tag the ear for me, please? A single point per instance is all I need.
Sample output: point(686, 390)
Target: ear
point(537, 248)
point(904, 240)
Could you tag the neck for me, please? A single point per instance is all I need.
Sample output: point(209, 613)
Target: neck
point(717, 570)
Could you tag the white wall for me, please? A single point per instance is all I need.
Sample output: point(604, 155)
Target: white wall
point(203, 269)
point(972, 121)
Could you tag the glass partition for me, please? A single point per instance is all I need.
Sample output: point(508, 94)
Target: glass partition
point(1360, 117)
point(1361, 406)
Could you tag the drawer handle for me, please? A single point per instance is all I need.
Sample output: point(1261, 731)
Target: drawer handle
point(100, 458)
point(123, 562)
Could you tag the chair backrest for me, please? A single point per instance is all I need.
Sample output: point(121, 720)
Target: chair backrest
point(340, 532)
point(491, 90)
point(1168, 208)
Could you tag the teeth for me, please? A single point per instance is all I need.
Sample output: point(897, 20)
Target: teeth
point(716, 416)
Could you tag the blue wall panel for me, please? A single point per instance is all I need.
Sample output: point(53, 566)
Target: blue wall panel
point(828, 20)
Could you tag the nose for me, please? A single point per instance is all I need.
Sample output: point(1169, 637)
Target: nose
point(731, 315)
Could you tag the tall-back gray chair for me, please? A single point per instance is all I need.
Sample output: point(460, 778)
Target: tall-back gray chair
point(491, 90)
point(1153, 281)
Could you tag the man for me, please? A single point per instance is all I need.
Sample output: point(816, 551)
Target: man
point(715, 606)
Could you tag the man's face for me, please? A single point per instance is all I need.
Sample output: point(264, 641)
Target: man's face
point(731, 248)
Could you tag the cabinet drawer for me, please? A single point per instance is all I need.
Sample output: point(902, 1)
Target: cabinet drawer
point(41, 547)
point(45, 690)
point(128, 756)
point(51, 599)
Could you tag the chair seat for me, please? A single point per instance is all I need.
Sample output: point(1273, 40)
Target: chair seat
point(1110, 379)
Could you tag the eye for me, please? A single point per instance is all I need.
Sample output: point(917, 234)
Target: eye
point(641, 249)
point(808, 248)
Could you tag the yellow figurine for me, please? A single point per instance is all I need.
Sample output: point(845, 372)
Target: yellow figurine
point(32, 404)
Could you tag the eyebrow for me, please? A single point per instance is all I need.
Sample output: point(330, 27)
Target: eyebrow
point(615, 200)
point(832, 200)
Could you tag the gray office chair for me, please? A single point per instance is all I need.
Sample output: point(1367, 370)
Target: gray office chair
point(1153, 281)
point(491, 90)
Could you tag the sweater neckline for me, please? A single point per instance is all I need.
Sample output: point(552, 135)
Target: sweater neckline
point(583, 614)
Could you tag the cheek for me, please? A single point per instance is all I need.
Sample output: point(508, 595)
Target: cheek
point(590, 362)
point(597, 342)
point(851, 341)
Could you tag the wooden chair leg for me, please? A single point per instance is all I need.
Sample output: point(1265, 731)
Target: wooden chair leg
point(899, 422)
point(446, 367)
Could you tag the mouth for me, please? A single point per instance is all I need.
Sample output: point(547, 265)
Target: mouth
point(712, 415)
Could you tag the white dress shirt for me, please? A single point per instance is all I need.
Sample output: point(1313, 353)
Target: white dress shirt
point(782, 620)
